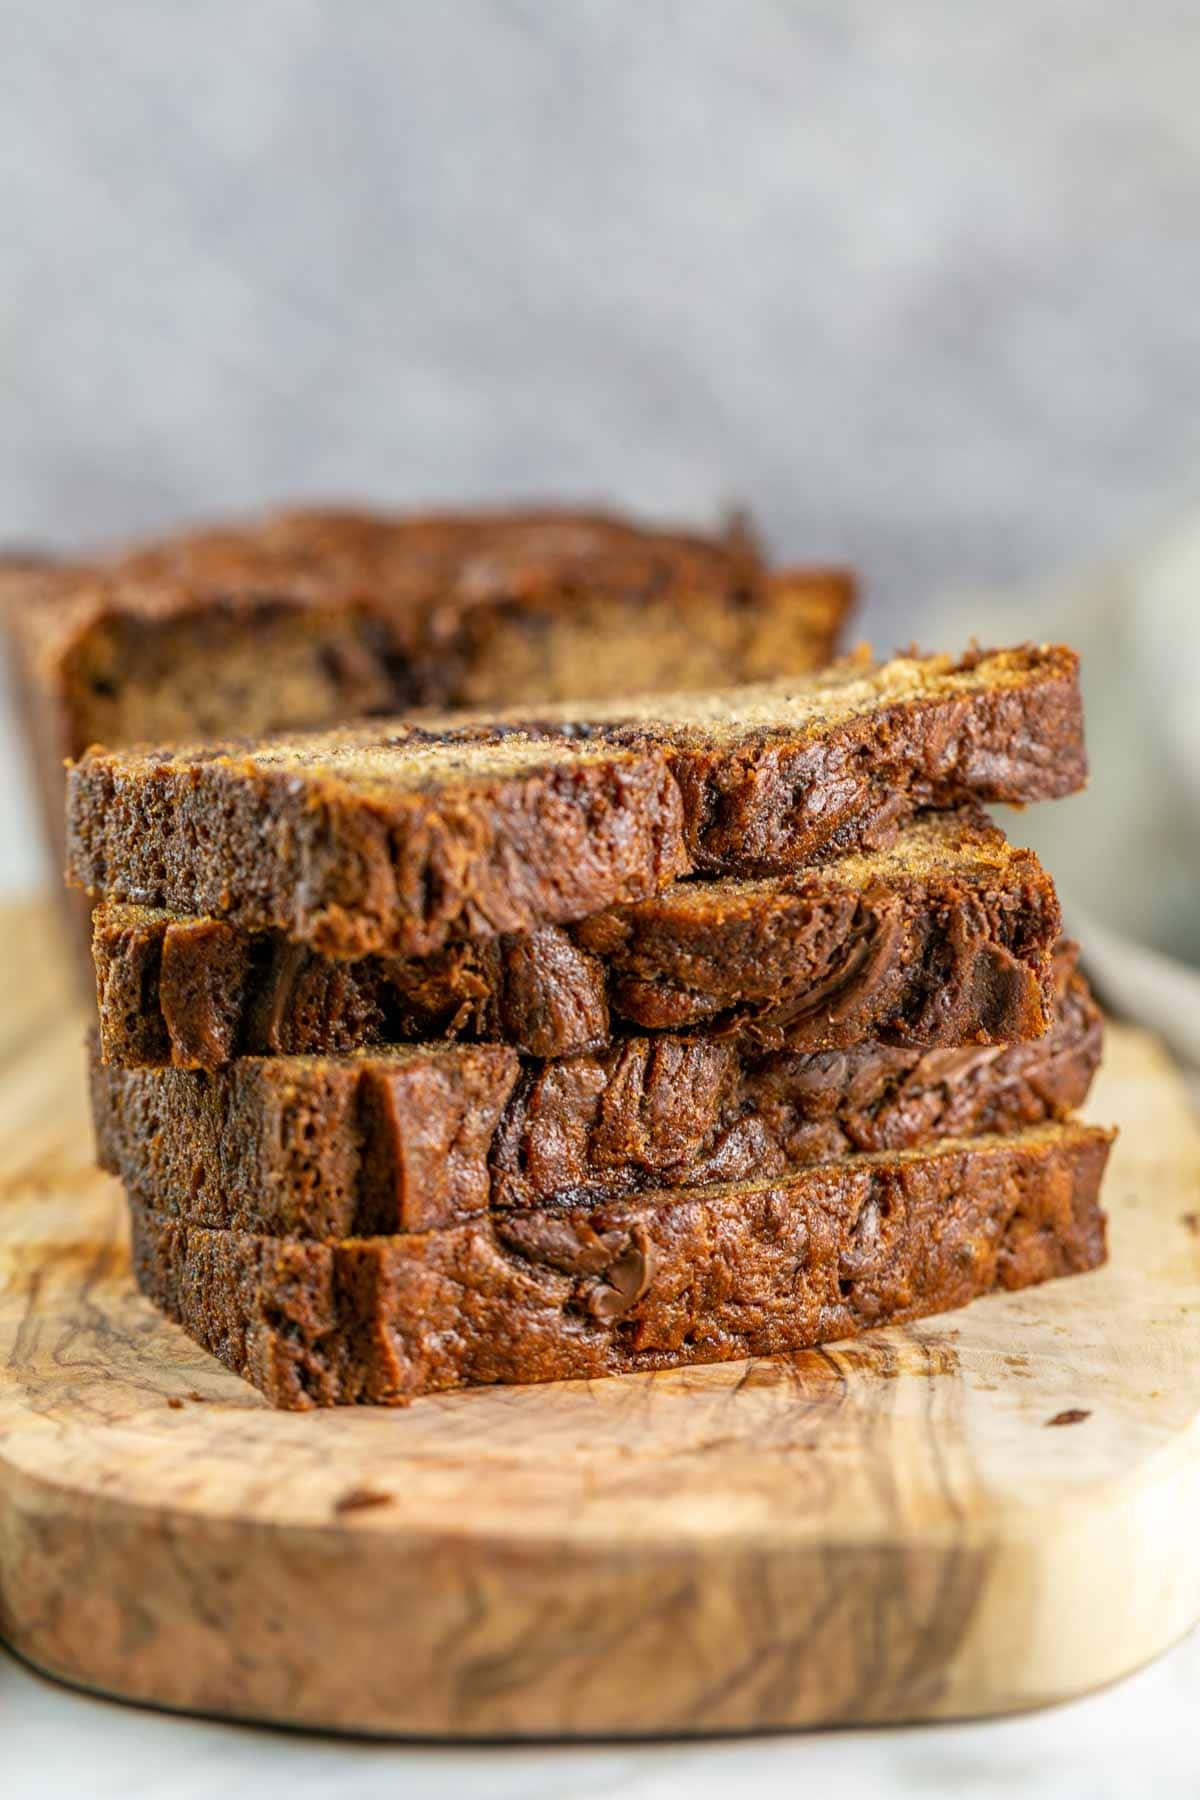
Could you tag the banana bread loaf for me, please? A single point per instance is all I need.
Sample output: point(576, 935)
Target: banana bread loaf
point(397, 838)
point(653, 1282)
point(410, 1139)
point(942, 938)
point(350, 613)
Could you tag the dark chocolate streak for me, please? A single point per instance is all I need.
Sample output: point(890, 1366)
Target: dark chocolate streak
point(415, 1138)
point(947, 943)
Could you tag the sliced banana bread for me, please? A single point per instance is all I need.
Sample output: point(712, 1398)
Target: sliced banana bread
point(944, 937)
point(399, 837)
point(409, 1139)
point(655, 1282)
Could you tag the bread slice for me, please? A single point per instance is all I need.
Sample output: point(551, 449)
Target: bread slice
point(944, 937)
point(655, 1282)
point(396, 838)
point(310, 619)
point(411, 1139)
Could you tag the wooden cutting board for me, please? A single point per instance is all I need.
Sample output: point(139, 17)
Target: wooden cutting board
point(979, 1513)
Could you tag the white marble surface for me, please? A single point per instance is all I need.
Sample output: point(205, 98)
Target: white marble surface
point(1134, 1739)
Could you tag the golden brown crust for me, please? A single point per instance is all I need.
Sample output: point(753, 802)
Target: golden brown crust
point(650, 1283)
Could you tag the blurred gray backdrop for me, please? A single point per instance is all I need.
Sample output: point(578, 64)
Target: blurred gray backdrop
point(920, 282)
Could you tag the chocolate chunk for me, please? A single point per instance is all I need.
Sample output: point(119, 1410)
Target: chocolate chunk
point(625, 1280)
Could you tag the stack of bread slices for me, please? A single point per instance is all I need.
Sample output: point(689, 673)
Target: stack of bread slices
point(444, 1051)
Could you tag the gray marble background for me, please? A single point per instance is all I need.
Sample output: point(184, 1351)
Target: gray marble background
point(921, 282)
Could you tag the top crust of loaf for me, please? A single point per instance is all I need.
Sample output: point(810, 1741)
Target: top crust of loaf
point(328, 558)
